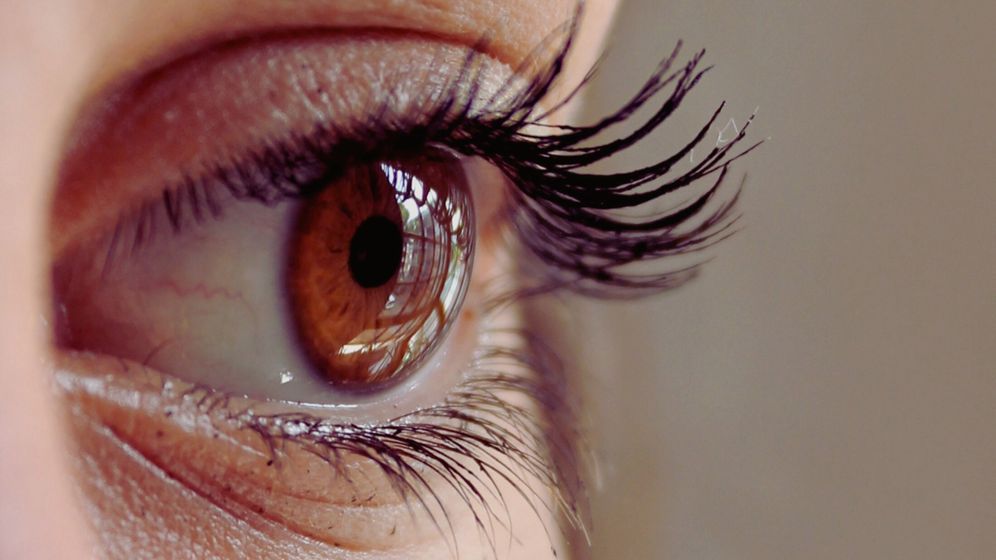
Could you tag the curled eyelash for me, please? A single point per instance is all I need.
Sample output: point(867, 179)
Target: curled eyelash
point(571, 219)
point(589, 228)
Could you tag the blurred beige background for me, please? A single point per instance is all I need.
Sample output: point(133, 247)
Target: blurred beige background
point(827, 389)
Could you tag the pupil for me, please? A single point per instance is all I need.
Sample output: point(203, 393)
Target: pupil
point(375, 252)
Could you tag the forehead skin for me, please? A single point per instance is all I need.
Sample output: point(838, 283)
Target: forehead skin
point(55, 56)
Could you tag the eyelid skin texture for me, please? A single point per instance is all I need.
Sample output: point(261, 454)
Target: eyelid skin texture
point(138, 430)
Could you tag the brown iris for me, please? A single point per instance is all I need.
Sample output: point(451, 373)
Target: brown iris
point(379, 262)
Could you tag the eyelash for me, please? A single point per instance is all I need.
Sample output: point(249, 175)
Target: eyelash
point(564, 216)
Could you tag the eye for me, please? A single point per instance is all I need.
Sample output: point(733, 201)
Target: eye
point(291, 271)
point(342, 291)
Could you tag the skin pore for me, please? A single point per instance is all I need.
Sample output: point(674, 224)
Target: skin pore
point(59, 58)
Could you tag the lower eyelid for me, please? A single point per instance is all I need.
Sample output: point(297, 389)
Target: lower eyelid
point(232, 468)
point(191, 435)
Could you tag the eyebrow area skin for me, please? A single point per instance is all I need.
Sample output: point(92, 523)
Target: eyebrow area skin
point(60, 54)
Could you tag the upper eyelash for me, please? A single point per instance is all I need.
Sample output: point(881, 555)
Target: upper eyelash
point(565, 216)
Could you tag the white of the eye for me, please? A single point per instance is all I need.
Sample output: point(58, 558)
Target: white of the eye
point(219, 287)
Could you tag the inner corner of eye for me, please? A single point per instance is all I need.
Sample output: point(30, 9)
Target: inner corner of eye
point(329, 299)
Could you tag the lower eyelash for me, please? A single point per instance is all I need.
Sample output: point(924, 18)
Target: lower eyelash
point(570, 219)
point(472, 442)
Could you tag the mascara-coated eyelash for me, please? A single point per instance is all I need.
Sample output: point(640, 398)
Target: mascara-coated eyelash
point(571, 219)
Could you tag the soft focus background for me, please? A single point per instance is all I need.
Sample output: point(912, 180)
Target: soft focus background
point(827, 388)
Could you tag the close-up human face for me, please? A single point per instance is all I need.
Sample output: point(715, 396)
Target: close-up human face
point(506, 279)
point(299, 254)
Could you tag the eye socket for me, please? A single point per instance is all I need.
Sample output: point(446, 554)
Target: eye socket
point(379, 264)
point(197, 281)
point(481, 439)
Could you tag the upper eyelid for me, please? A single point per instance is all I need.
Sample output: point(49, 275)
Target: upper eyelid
point(490, 38)
point(72, 201)
point(196, 27)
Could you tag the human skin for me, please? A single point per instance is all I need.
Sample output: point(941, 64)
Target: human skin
point(57, 56)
